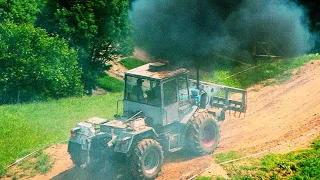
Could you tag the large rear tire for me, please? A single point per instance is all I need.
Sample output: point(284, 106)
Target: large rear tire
point(204, 135)
point(146, 159)
point(77, 155)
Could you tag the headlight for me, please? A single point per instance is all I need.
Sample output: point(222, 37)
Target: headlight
point(73, 132)
point(123, 140)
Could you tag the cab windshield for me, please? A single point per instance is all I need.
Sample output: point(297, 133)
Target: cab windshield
point(143, 90)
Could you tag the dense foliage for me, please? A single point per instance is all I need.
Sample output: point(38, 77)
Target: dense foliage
point(51, 48)
point(20, 11)
point(35, 66)
point(99, 29)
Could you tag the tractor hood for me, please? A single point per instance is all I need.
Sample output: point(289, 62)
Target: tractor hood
point(113, 127)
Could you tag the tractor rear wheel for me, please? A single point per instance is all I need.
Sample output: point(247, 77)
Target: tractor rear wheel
point(78, 156)
point(204, 135)
point(146, 159)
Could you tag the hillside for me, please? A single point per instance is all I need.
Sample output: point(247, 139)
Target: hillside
point(280, 118)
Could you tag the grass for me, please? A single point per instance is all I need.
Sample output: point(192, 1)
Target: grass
point(40, 162)
point(245, 76)
point(131, 63)
point(302, 164)
point(223, 157)
point(203, 178)
point(27, 127)
point(43, 163)
point(110, 84)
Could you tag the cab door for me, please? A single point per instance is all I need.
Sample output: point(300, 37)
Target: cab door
point(170, 101)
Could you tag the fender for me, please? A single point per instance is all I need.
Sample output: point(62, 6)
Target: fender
point(125, 140)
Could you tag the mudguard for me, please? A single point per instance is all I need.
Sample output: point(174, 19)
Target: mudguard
point(125, 140)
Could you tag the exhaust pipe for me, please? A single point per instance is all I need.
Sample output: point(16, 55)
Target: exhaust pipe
point(198, 76)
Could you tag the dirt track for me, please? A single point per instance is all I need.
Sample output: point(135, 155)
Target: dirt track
point(275, 115)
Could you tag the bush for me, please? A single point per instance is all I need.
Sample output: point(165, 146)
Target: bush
point(110, 83)
point(35, 66)
point(131, 63)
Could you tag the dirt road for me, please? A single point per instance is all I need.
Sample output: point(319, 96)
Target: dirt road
point(275, 115)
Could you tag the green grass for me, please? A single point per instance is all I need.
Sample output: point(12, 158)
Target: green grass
point(110, 84)
point(131, 63)
point(223, 157)
point(43, 163)
point(302, 164)
point(203, 178)
point(39, 162)
point(244, 77)
point(27, 127)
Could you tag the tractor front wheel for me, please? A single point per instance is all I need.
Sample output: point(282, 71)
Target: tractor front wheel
point(146, 159)
point(204, 135)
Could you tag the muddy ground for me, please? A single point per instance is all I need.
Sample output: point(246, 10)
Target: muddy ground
point(285, 116)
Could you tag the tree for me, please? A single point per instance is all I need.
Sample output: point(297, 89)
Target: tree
point(35, 66)
point(98, 29)
point(20, 11)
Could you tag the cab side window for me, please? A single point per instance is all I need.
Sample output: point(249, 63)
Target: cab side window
point(170, 92)
point(183, 90)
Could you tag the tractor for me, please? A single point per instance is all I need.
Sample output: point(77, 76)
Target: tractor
point(163, 111)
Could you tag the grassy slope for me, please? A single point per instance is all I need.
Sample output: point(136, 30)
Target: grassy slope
point(110, 84)
point(300, 164)
point(131, 63)
point(265, 69)
point(27, 127)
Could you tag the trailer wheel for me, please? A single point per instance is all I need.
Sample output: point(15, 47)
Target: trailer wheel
point(77, 155)
point(146, 159)
point(204, 136)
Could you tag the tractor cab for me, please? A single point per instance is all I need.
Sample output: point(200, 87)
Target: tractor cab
point(161, 93)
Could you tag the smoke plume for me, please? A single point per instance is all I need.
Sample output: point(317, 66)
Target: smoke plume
point(184, 30)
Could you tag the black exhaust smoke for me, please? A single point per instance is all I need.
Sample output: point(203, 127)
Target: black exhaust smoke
point(188, 30)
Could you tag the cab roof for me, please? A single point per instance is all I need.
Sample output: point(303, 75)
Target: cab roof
point(161, 74)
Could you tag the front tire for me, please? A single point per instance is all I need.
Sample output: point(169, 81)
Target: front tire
point(204, 135)
point(147, 159)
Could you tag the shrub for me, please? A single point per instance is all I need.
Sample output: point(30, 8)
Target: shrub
point(35, 66)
